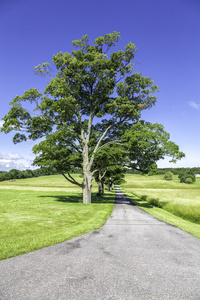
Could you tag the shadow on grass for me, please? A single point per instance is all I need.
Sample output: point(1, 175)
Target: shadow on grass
point(145, 201)
point(70, 198)
point(141, 203)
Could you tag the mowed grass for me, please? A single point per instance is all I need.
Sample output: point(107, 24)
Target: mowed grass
point(42, 183)
point(174, 202)
point(39, 212)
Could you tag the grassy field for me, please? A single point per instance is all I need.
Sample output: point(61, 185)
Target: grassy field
point(172, 201)
point(42, 211)
point(43, 183)
point(38, 212)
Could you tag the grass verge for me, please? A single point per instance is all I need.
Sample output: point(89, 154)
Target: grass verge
point(33, 219)
point(164, 215)
point(172, 201)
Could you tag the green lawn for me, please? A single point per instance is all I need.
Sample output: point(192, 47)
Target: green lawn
point(172, 201)
point(38, 212)
point(53, 182)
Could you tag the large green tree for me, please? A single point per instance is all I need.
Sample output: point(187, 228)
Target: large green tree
point(94, 101)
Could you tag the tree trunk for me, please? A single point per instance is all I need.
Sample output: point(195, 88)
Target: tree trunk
point(102, 188)
point(99, 188)
point(87, 181)
point(87, 187)
point(109, 188)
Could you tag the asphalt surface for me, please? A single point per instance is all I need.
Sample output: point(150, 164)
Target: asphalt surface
point(133, 256)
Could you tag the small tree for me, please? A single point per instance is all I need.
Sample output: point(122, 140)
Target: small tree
point(187, 178)
point(109, 162)
point(115, 175)
point(168, 176)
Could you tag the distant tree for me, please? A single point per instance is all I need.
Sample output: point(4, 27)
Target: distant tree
point(115, 175)
point(2, 176)
point(185, 176)
point(15, 174)
point(109, 161)
point(191, 176)
point(28, 173)
point(188, 180)
point(168, 176)
point(160, 171)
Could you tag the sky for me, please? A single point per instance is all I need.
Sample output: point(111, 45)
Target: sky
point(166, 34)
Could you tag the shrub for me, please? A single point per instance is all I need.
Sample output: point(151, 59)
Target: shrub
point(184, 178)
point(188, 180)
point(191, 176)
point(168, 176)
point(155, 202)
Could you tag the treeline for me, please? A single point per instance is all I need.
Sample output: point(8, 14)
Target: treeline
point(17, 174)
point(178, 171)
point(162, 171)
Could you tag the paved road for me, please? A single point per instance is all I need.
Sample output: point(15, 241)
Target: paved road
point(132, 257)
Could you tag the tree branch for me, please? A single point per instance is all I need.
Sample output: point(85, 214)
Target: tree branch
point(97, 145)
point(94, 172)
point(117, 142)
point(101, 138)
point(89, 126)
point(72, 180)
point(104, 174)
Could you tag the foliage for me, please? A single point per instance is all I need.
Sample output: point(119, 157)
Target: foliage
point(109, 165)
point(18, 174)
point(175, 171)
point(153, 170)
point(168, 176)
point(187, 177)
point(178, 171)
point(147, 143)
point(188, 180)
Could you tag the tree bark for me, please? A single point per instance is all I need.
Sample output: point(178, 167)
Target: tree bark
point(87, 187)
point(109, 186)
point(87, 181)
point(99, 188)
point(102, 188)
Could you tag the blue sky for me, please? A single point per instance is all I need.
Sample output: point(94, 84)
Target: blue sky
point(166, 34)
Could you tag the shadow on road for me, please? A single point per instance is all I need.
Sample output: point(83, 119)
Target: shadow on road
point(122, 199)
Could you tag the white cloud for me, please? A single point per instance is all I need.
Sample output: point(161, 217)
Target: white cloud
point(191, 160)
point(1, 123)
point(194, 105)
point(14, 161)
point(10, 156)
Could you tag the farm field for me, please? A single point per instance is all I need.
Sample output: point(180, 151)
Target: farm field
point(39, 212)
point(174, 202)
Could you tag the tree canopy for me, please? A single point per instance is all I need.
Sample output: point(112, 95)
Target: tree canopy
point(94, 101)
